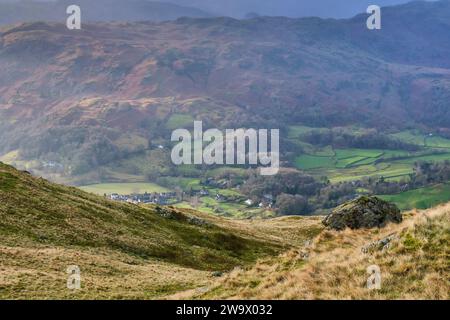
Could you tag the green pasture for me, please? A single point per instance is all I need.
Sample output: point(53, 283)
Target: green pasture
point(422, 198)
point(178, 120)
point(123, 188)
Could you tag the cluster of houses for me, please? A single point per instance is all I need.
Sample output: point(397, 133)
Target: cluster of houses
point(169, 198)
point(160, 198)
point(52, 166)
point(266, 202)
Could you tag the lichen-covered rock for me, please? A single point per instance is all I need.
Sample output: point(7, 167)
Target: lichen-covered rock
point(364, 212)
point(383, 244)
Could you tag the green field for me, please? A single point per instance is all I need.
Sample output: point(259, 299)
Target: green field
point(351, 164)
point(388, 171)
point(366, 153)
point(389, 154)
point(421, 139)
point(306, 162)
point(363, 162)
point(434, 157)
point(183, 183)
point(178, 120)
point(410, 137)
point(422, 198)
point(226, 209)
point(222, 170)
point(123, 188)
point(437, 142)
point(345, 163)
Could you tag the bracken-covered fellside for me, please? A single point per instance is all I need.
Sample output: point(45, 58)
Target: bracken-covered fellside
point(107, 93)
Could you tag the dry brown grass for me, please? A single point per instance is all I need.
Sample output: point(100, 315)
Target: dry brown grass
point(288, 231)
point(332, 266)
point(416, 266)
point(129, 252)
point(40, 273)
point(124, 251)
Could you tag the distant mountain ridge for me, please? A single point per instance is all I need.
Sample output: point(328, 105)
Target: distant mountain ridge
point(108, 91)
point(288, 8)
point(99, 10)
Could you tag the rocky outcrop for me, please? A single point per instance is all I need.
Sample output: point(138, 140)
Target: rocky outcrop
point(173, 214)
point(364, 212)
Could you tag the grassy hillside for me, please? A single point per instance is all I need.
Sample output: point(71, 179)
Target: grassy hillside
point(46, 227)
point(415, 266)
point(132, 252)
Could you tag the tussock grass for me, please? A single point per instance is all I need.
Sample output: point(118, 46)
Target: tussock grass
point(132, 252)
point(45, 227)
point(415, 266)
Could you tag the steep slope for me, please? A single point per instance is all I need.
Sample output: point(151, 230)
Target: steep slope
point(37, 211)
point(91, 97)
point(99, 10)
point(38, 216)
point(123, 251)
point(129, 252)
point(413, 258)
